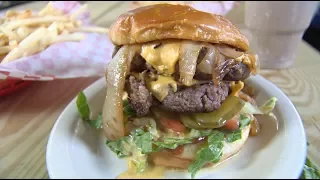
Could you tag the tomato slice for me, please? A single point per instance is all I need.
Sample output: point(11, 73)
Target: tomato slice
point(173, 124)
point(232, 124)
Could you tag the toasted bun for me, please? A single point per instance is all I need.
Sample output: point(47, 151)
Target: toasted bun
point(168, 21)
point(183, 160)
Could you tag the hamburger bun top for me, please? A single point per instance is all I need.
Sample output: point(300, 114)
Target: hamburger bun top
point(168, 21)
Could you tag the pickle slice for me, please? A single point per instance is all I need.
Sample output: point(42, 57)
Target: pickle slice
point(190, 122)
point(231, 106)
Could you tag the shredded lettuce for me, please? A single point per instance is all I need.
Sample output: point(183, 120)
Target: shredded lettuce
point(121, 147)
point(210, 154)
point(310, 171)
point(127, 110)
point(152, 128)
point(265, 108)
point(194, 133)
point(171, 143)
point(244, 121)
point(143, 141)
point(137, 145)
point(268, 106)
point(234, 136)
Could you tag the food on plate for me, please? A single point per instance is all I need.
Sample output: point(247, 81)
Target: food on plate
point(24, 33)
point(310, 171)
point(137, 4)
point(176, 95)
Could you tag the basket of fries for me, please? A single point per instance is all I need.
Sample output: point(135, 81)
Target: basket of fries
point(56, 42)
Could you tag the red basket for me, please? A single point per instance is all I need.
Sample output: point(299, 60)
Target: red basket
point(11, 86)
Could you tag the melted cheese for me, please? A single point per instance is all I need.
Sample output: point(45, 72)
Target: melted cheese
point(236, 87)
point(162, 58)
point(154, 172)
point(249, 60)
point(160, 87)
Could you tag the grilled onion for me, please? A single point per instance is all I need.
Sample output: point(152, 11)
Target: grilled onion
point(255, 63)
point(216, 69)
point(189, 52)
point(205, 65)
point(112, 114)
point(228, 51)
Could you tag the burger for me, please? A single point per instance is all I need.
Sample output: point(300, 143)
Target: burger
point(176, 95)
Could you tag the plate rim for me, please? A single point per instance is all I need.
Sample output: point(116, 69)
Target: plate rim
point(257, 78)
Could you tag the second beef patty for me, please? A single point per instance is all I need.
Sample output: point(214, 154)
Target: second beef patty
point(198, 98)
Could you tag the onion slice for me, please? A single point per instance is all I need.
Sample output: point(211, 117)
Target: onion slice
point(189, 52)
point(255, 63)
point(205, 65)
point(112, 113)
point(216, 69)
point(228, 51)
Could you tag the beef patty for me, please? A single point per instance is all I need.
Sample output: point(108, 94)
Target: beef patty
point(140, 98)
point(198, 98)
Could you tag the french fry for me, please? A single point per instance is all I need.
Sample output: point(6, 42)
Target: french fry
point(9, 33)
point(33, 38)
point(25, 46)
point(2, 42)
point(36, 21)
point(13, 43)
point(15, 53)
point(5, 49)
point(69, 37)
point(24, 33)
point(91, 29)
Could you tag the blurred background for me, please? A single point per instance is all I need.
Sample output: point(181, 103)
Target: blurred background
point(311, 35)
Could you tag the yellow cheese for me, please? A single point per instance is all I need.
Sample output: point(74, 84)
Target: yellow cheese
point(162, 58)
point(151, 172)
point(236, 87)
point(249, 60)
point(160, 87)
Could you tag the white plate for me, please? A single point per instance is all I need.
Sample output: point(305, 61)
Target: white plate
point(77, 151)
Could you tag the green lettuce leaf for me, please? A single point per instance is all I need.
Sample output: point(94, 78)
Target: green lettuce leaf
point(121, 147)
point(210, 154)
point(199, 133)
point(244, 121)
point(137, 145)
point(143, 140)
point(250, 109)
point(310, 171)
point(127, 110)
point(83, 106)
point(96, 123)
point(171, 143)
point(152, 128)
point(84, 111)
point(234, 135)
point(268, 106)
point(265, 108)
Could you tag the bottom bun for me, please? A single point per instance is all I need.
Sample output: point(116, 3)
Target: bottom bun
point(182, 161)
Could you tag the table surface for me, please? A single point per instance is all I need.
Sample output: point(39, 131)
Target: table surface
point(27, 116)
